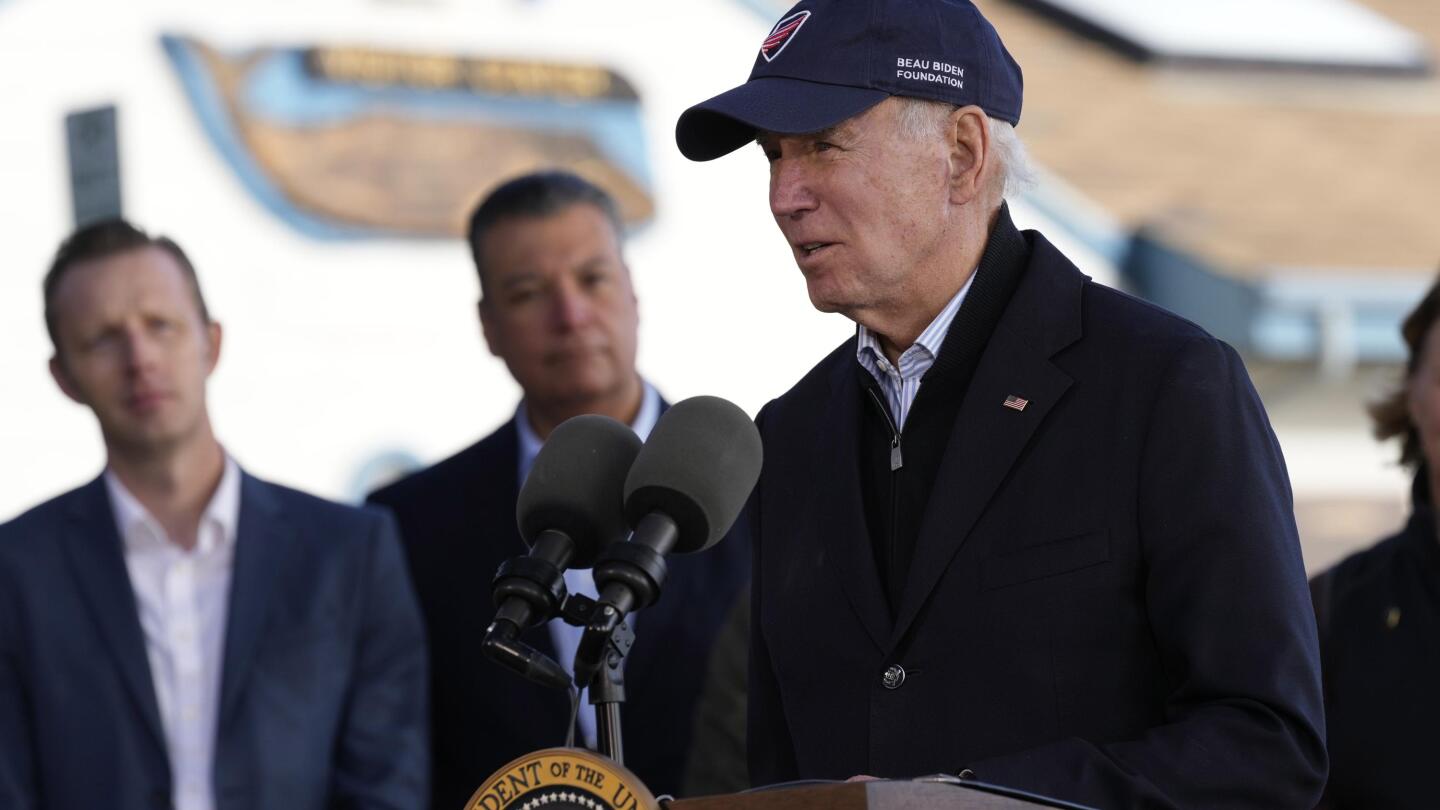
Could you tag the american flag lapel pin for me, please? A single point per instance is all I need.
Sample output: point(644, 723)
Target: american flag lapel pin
point(1016, 403)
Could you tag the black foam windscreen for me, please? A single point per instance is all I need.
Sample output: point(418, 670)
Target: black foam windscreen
point(698, 467)
point(576, 485)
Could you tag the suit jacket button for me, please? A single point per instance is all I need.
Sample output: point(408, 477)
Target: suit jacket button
point(894, 676)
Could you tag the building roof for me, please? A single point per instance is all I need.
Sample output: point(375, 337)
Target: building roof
point(1256, 172)
point(1325, 34)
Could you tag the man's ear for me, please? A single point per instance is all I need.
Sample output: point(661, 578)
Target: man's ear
point(1412, 401)
point(630, 280)
point(62, 379)
point(213, 334)
point(487, 326)
point(970, 167)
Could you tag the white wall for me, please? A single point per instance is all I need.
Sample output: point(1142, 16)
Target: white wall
point(335, 352)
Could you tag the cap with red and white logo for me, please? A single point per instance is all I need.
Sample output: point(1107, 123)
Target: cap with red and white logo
point(780, 35)
point(827, 60)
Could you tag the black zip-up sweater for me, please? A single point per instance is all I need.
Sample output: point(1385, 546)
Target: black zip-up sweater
point(895, 499)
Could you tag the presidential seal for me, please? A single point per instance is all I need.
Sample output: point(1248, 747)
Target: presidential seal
point(563, 779)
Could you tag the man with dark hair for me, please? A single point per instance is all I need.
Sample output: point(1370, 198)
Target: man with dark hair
point(558, 308)
point(535, 195)
point(1022, 528)
point(107, 239)
point(178, 633)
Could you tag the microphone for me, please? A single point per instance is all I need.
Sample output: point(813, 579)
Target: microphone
point(684, 490)
point(570, 509)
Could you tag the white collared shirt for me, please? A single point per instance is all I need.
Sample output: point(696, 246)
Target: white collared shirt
point(579, 580)
point(902, 384)
point(183, 598)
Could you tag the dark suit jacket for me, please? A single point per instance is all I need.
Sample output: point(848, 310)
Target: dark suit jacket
point(457, 520)
point(322, 699)
point(1106, 604)
point(1379, 614)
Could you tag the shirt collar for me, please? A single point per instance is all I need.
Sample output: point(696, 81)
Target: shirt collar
point(530, 443)
point(929, 341)
point(139, 529)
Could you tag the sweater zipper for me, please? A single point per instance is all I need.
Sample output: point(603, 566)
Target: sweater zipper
point(896, 460)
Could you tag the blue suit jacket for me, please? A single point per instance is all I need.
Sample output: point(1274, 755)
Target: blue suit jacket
point(1106, 603)
point(457, 520)
point(323, 689)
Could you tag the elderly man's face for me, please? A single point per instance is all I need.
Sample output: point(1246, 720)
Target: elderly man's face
point(863, 208)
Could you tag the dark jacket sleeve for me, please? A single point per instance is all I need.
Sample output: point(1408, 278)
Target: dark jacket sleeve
point(382, 758)
point(1229, 611)
point(716, 762)
point(770, 749)
point(17, 758)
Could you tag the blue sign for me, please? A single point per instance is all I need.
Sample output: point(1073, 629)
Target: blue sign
point(344, 142)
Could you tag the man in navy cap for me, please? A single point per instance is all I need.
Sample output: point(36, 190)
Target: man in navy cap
point(1022, 528)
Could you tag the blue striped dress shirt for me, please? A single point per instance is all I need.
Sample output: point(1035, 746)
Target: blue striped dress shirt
point(903, 383)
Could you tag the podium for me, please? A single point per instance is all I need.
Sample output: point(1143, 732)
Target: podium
point(577, 779)
point(878, 795)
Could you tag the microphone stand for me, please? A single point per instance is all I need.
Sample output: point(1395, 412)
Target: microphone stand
point(640, 570)
point(607, 686)
point(607, 692)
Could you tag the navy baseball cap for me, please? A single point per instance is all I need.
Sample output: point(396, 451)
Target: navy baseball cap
point(828, 60)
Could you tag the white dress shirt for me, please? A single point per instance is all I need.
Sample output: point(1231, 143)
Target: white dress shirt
point(579, 580)
point(183, 598)
point(903, 383)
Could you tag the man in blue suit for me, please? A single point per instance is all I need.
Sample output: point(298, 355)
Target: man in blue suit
point(558, 307)
point(1021, 528)
point(178, 633)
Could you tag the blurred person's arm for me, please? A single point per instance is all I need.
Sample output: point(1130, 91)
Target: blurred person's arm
point(1320, 589)
point(716, 762)
point(382, 758)
point(17, 759)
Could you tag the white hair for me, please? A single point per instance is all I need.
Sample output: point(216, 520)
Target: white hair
point(1015, 167)
point(920, 118)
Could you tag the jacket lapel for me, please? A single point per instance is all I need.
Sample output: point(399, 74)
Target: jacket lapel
point(260, 545)
point(1043, 317)
point(97, 557)
point(840, 513)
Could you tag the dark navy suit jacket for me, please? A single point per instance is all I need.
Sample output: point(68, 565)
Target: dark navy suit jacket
point(1379, 615)
point(323, 686)
point(457, 520)
point(1107, 602)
